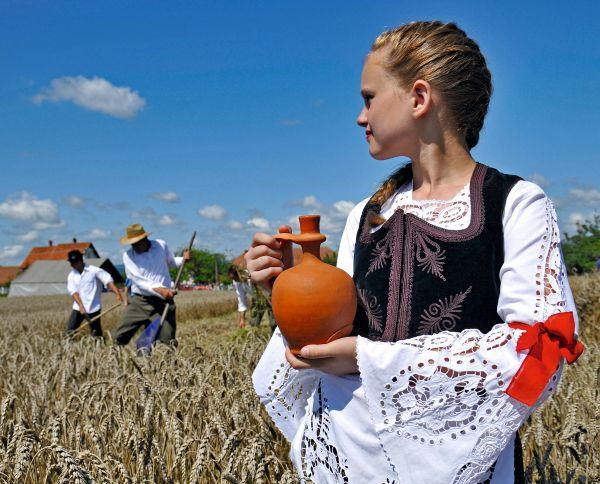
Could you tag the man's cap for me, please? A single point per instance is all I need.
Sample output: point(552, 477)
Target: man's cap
point(74, 256)
point(135, 233)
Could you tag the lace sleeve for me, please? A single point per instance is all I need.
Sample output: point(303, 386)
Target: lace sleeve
point(282, 390)
point(444, 395)
point(534, 283)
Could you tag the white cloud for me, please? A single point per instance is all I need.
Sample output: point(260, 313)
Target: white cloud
point(97, 234)
point(10, 251)
point(29, 208)
point(310, 202)
point(147, 213)
point(586, 197)
point(259, 223)
point(333, 217)
point(539, 180)
point(29, 236)
point(74, 201)
point(235, 225)
point(169, 197)
point(213, 212)
point(94, 94)
point(343, 208)
point(167, 220)
point(49, 225)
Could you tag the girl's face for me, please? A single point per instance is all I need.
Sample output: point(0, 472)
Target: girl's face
point(387, 116)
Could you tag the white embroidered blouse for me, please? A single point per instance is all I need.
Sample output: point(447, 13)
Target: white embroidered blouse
point(432, 408)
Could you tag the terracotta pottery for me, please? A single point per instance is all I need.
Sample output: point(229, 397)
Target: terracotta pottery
point(313, 302)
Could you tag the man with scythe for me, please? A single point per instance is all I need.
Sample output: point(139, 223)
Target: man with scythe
point(85, 284)
point(147, 265)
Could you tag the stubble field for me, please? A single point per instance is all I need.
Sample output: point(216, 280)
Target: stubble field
point(83, 411)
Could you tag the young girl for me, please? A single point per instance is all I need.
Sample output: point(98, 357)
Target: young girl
point(465, 312)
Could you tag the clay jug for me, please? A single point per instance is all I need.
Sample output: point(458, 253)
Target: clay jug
point(313, 302)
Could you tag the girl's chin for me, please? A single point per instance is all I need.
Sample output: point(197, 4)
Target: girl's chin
point(380, 155)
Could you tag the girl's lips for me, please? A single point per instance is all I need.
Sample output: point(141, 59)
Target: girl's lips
point(368, 135)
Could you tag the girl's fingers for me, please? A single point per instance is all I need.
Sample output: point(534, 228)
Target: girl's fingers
point(261, 238)
point(264, 275)
point(263, 262)
point(296, 362)
point(261, 250)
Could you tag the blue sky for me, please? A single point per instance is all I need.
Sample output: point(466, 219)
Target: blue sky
point(228, 117)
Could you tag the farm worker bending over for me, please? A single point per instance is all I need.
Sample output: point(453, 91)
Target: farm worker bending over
point(83, 286)
point(147, 266)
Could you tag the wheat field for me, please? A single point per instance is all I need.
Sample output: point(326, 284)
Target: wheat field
point(84, 411)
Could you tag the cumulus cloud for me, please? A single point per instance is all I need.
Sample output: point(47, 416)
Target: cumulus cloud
point(97, 234)
point(311, 202)
point(213, 212)
point(167, 220)
point(49, 225)
point(29, 236)
point(10, 251)
point(145, 213)
point(343, 208)
point(333, 217)
point(28, 208)
point(169, 197)
point(235, 225)
point(259, 223)
point(74, 201)
point(96, 94)
point(585, 197)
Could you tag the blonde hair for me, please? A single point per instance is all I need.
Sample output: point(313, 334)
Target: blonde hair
point(441, 54)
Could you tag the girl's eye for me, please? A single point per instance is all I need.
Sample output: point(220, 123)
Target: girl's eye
point(368, 100)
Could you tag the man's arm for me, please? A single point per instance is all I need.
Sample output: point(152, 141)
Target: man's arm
point(78, 300)
point(119, 296)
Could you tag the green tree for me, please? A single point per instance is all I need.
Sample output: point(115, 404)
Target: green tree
point(331, 258)
point(582, 250)
point(201, 267)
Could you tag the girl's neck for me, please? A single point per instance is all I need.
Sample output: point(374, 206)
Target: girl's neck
point(441, 170)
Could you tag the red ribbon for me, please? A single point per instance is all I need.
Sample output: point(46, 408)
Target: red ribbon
point(547, 343)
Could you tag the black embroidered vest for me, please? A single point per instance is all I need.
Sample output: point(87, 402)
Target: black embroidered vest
point(414, 278)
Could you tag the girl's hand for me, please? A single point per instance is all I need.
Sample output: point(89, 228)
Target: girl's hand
point(337, 357)
point(268, 257)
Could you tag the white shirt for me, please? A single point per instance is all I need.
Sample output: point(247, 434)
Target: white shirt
point(151, 268)
point(87, 285)
point(405, 418)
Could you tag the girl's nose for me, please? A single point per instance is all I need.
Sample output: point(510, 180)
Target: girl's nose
point(362, 118)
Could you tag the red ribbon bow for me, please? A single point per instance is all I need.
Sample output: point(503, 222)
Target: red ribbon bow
point(547, 343)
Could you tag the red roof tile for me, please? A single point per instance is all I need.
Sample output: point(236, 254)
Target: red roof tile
point(8, 273)
point(55, 252)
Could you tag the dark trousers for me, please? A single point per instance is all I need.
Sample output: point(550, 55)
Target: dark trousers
point(77, 318)
point(138, 313)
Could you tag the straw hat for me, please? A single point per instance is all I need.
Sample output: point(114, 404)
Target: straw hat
point(135, 233)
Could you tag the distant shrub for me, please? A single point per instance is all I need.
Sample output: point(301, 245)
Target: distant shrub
point(582, 250)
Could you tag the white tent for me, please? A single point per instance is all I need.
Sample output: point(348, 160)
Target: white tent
point(48, 277)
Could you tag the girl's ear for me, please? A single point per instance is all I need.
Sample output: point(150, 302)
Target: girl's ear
point(421, 98)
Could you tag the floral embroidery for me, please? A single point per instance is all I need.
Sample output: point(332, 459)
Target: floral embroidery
point(430, 257)
point(372, 309)
point(318, 451)
point(381, 253)
point(443, 315)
